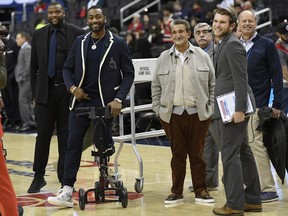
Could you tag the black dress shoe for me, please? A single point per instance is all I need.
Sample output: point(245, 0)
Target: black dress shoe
point(20, 210)
point(24, 128)
point(15, 128)
point(36, 185)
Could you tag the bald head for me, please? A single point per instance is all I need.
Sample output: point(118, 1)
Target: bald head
point(246, 13)
point(247, 24)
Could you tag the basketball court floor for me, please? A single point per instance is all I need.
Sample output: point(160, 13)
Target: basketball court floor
point(150, 202)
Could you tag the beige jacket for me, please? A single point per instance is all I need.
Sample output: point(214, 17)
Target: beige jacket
point(163, 83)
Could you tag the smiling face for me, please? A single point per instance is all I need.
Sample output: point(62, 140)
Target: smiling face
point(96, 20)
point(55, 14)
point(180, 36)
point(247, 24)
point(222, 26)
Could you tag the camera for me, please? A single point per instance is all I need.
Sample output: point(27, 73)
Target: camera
point(2, 47)
point(3, 34)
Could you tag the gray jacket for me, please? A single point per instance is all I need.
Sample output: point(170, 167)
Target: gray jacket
point(22, 68)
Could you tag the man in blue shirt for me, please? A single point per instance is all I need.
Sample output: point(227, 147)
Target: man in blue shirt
point(264, 69)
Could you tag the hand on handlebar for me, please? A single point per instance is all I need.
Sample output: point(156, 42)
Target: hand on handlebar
point(115, 107)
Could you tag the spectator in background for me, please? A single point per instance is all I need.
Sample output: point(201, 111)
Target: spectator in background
point(114, 30)
point(22, 76)
point(147, 26)
point(282, 47)
point(157, 32)
point(100, 3)
point(130, 40)
point(40, 6)
point(247, 5)
point(10, 92)
point(142, 47)
point(238, 8)
point(167, 19)
point(226, 4)
point(41, 22)
point(81, 15)
point(136, 25)
point(197, 11)
point(179, 12)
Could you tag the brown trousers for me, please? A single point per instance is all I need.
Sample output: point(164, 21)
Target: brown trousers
point(186, 134)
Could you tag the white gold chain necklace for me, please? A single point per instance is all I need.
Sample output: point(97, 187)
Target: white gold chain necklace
point(94, 46)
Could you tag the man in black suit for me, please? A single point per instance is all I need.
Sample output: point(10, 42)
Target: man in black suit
point(239, 167)
point(11, 91)
point(49, 92)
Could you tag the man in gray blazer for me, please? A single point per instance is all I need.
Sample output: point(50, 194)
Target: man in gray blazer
point(22, 76)
point(239, 167)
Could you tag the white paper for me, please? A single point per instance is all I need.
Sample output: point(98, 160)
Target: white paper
point(226, 104)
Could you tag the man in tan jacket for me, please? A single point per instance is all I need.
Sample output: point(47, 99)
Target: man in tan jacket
point(183, 99)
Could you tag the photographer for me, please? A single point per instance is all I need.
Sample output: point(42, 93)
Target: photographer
point(11, 91)
point(8, 200)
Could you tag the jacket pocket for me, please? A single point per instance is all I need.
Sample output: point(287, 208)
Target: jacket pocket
point(164, 76)
point(203, 73)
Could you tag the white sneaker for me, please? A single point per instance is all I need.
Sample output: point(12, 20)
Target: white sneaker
point(63, 198)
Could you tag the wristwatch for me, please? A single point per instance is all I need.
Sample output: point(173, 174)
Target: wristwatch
point(72, 89)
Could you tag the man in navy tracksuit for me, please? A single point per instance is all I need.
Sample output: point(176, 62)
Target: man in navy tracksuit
point(98, 72)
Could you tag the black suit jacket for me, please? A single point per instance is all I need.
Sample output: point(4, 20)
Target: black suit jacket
point(39, 59)
point(11, 58)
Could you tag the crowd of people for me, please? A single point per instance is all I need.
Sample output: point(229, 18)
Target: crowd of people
point(198, 61)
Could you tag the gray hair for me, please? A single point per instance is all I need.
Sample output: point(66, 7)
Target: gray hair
point(181, 22)
point(200, 25)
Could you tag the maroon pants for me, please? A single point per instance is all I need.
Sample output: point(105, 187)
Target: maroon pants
point(186, 134)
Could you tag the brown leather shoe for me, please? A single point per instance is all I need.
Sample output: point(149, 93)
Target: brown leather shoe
point(252, 207)
point(227, 211)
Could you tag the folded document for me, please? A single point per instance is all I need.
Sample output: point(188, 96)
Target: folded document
point(226, 104)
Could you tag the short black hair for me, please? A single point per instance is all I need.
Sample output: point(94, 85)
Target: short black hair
point(56, 3)
point(96, 7)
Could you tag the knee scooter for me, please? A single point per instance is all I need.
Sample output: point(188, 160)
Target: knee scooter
point(107, 189)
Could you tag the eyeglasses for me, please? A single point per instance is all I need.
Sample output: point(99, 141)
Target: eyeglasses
point(198, 32)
